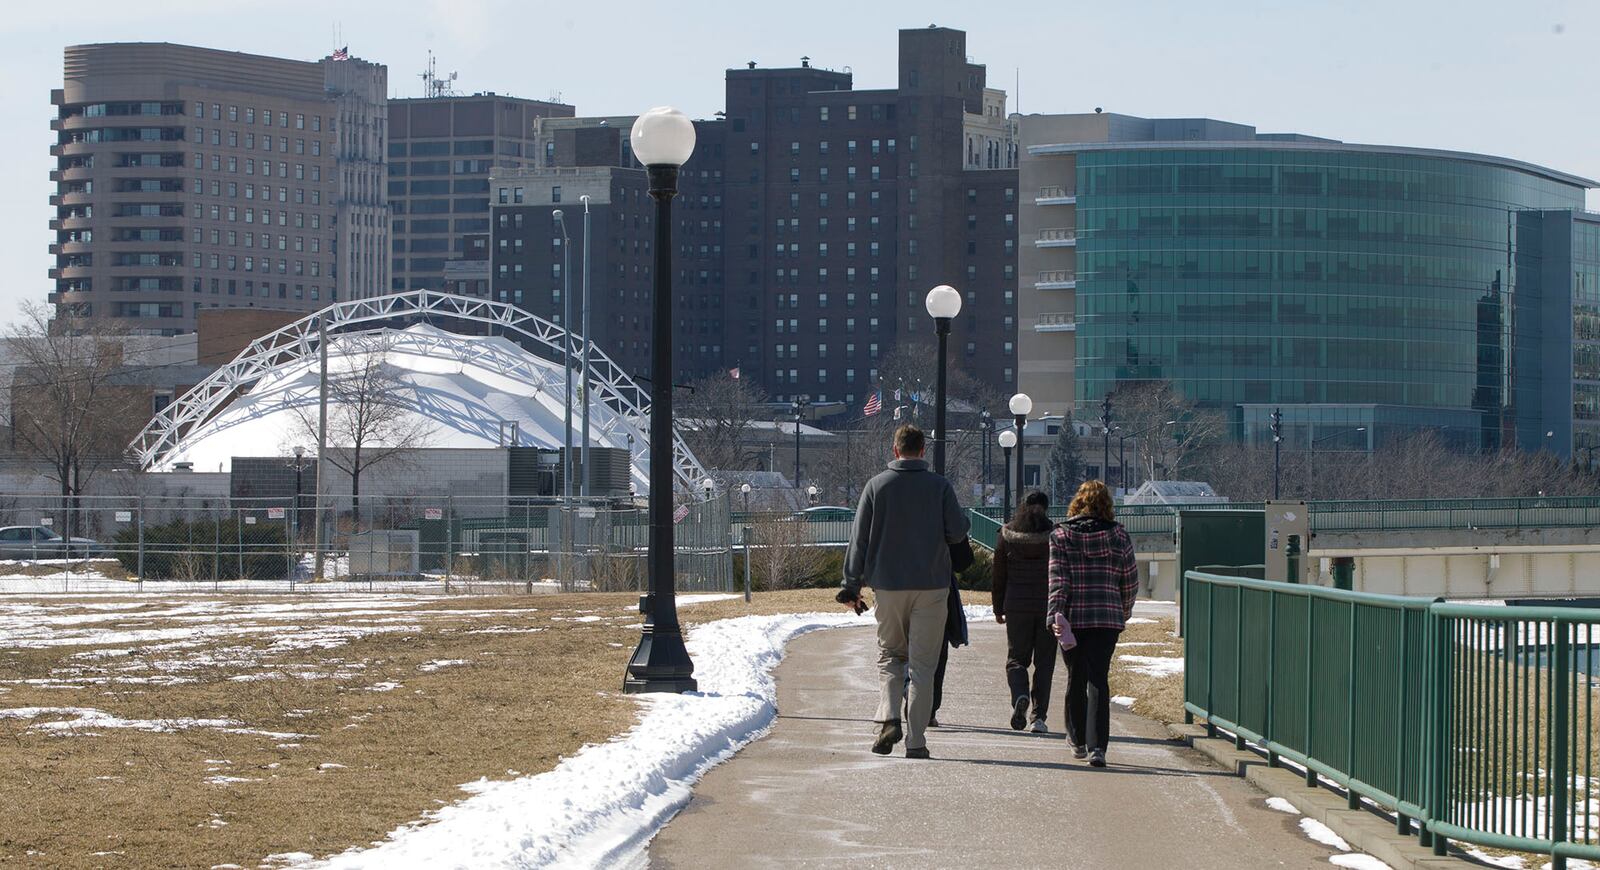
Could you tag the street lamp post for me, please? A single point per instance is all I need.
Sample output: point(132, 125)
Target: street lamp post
point(566, 349)
point(799, 408)
point(812, 493)
point(1311, 454)
point(1008, 440)
point(986, 427)
point(662, 139)
point(299, 466)
point(745, 489)
point(1277, 451)
point(1020, 406)
point(943, 303)
point(1105, 428)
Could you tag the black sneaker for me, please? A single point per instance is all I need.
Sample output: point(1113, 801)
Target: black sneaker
point(1080, 752)
point(1097, 758)
point(1019, 713)
point(888, 736)
point(919, 752)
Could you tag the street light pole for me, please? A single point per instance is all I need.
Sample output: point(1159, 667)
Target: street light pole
point(662, 139)
point(1008, 440)
point(1020, 406)
point(986, 427)
point(587, 343)
point(800, 403)
point(943, 303)
point(566, 350)
point(1105, 427)
point(1277, 451)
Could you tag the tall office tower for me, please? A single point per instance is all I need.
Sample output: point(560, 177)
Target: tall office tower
point(190, 178)
point(441, 152)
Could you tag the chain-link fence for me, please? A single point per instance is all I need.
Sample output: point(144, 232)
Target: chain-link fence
point(450, 543)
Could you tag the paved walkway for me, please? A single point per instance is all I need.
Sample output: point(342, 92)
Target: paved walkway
point(811, 794)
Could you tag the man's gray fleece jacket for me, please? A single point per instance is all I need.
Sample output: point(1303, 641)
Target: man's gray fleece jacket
point(907, 519)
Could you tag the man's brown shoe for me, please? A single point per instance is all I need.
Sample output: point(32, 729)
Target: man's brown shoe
point(888, 736)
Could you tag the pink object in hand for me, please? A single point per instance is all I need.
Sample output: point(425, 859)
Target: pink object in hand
point(1064, 633)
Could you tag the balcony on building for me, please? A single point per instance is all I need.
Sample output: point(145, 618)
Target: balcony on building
point(1055, 196)
point(1056, 321)
point(1056, 279)
point(1057, 237)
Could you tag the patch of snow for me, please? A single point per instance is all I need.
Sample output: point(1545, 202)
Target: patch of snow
point(1282, 806)
point(385, 686)
point(601, 806)
point(440, 664)
point(1155, 666)
point(1323, 834)
point(329, 765)
point(1142, 620)
point(1123, 700)
point(86, 719)
point(229, 780)
point(703, 598)
point(1359, 861)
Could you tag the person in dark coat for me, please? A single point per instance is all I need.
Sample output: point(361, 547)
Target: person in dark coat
point(1094, 579)
point(1020, 591)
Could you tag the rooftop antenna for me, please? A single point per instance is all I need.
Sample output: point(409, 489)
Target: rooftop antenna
point(432, 85)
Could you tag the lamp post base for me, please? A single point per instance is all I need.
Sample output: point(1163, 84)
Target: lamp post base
point(660, 664)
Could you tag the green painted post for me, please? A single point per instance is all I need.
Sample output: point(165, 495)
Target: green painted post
point(1238, 665)
point(1351, 800)
point(1311, 672)
point(1211, 657)
point(1402, 822)
point(1439, 807)
point(1560, 807)
point(1272, 667)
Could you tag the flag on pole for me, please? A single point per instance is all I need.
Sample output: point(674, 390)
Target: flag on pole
point(874, 404)
point(341, 53)
point(897, 394)
point(897, 410)
point(734, 373)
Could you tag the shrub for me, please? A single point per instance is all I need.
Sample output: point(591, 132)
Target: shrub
point(207, 549)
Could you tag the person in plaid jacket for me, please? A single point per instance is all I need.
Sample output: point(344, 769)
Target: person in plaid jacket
point(1094, 578)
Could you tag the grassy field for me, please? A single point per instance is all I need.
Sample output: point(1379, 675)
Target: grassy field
point(201, 730)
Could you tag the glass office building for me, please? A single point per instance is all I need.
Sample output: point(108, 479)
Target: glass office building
point(1356, 287)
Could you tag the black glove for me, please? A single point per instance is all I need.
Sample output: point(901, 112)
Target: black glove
point(852, 597)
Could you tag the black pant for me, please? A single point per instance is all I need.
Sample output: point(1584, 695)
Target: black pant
point(1029, 642)
point(938, 675)
point(1088, 686)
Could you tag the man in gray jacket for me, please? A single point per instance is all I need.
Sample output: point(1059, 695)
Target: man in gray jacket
point(900, 546)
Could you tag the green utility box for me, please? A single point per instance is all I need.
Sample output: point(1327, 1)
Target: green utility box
point(1217, 539)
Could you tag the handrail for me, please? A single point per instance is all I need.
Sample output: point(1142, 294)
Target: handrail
point(1478, 721)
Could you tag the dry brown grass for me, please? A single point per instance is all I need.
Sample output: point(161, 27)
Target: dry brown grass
point(1156, 697)
point(538, 689)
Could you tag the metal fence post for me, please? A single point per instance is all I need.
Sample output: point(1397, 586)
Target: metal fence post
point(289, 535)
point(1352, 800)
point(1311, 670)
point(238, 538)
point(1439, 807)
point(449, 539)
point(1270, 733)
point(745, 533)
point(1560, 806)
point(139, 521)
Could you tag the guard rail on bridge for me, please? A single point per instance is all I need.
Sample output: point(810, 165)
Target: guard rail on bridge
point(1475, 721)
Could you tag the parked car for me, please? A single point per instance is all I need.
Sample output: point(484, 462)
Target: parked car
point(42, 542)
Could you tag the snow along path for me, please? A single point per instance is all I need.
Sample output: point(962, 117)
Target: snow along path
point(601, 806)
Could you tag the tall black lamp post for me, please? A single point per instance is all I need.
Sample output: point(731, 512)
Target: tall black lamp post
point(1105, 428)
point(1008, 440)
point(799, 409)
point(1277, 450)
point(1021, 405)
point(943, 304)
point(663, 139)
point(986, 427)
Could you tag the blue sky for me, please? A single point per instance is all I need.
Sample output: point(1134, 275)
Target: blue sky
point(1514, 78)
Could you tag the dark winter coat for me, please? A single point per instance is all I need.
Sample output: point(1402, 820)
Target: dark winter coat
point(1094, 576)
point(905, 523)
point(1021, 573)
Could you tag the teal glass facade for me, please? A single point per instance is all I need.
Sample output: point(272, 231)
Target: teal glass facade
point(1368, 288)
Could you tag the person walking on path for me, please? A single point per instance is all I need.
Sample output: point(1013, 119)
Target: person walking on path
point(1020, 590)
point(1094, 579)
point(900, 546)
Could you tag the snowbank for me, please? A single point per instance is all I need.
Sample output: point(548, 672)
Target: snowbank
point(601, 807)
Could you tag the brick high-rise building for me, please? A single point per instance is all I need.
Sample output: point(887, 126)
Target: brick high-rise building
point(191, 178)
point(811, 222)
point(441, 151)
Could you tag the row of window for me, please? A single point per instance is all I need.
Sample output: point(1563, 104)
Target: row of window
point(266, 117)
point(250, 141)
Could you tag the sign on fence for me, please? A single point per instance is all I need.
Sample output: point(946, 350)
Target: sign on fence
point(275, 513)
point(249, 520)
point(587, 513)
point(124, 516)
point(680, 513)
point(433, 513)
point(47, 521)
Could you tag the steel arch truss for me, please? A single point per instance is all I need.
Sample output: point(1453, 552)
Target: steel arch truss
point(630, 405)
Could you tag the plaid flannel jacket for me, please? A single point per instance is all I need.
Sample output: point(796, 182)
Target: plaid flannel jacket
point(1094, 577)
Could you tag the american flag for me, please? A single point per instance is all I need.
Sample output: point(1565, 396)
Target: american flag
point(341, 53)
point(874, 404)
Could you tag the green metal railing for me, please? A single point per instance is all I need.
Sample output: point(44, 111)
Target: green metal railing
point(985, 529)
point(1475, 721)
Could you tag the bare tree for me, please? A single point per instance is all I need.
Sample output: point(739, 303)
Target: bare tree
point(718, 418)
point(1166, 427)
point(67, 408)
point(371, 417)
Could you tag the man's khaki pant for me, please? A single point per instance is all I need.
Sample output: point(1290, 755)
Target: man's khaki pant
point(910, 633)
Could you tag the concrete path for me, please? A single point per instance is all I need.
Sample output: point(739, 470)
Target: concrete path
point(811, 794)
